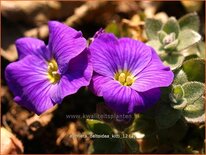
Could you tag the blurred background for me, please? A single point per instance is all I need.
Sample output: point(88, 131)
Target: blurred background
point(49, 132)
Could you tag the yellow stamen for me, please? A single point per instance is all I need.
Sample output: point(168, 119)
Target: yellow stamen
point(125, 78)
point(122, 78)
point(129, 80)
point(53, 75)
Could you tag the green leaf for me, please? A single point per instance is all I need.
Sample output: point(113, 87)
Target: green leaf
point(171, 46)
point(152, 26)
point(191, 51)
point(144, 125)
point(176, 96)
point(190, 21)
point(193, 91)
point(99, 127)
point(166, 116)
point(178, 104)
point(191, 57)
point(171, 26)
point(156, 45)
point(187, 38)
point(112, 145)
point(177, 92)
point(162, 35)
point(173, 60)
point(195, 51)
point(195, 69)
point(113, 28)
point(180, 78)
point(195, 113)
point(174, 133)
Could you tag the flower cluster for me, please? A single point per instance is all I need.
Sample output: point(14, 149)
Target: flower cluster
point(127, 73)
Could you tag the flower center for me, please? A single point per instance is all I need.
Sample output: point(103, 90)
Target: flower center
point(125, 78)
point(53, 75)
point(169, 38)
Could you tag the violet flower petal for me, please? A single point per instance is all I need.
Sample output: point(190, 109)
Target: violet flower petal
point(64, 42)
point(153, 76)
point(79, 74)
point(116, 96)
point(31, 46)
point(97, 83)
point(125, 100)
point(134, 55)
point(109, 56)
point(103, 55)
point(28, 80)
point(149, 98)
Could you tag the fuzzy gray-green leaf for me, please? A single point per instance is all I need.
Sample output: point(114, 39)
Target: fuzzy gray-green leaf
point(156, 45)
point(193, 91)
point(179, 104)
point(190, 21)
point(195, 69)
point(173, 61)
point(176, 96)
point(171, 26)
point(187, 38)
point(161, 35)
point(172, 45)
point(152, 26)
point(177, 92)
point(180, 78)
point(195, 113)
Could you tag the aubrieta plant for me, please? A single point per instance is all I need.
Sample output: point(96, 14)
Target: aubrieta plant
point(159, 83)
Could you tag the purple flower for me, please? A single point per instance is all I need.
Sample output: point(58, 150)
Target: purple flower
point(127, 73)
point(44, 75)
